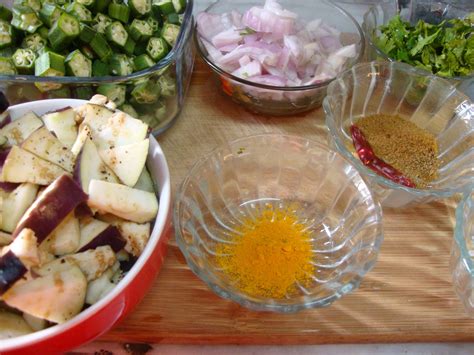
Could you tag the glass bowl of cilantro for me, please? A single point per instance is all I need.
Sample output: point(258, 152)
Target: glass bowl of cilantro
point(436, 37)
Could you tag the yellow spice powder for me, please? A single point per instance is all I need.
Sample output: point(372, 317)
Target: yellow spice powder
point(270, 254)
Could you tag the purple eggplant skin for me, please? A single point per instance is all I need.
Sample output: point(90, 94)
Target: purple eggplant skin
point(4, 104)
point(5, 121)
point(83, 210)
point(109, 236)
point(11, 270)
point(59, 110)
point(3, 156)
point(47, 212)
point(76, 174)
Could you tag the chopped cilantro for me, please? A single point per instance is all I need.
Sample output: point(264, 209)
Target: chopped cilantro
point(446, 49)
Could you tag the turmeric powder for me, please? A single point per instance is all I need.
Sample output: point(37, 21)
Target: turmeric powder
point(269, 254)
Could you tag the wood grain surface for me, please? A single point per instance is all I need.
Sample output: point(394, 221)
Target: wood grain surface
point(407, 297)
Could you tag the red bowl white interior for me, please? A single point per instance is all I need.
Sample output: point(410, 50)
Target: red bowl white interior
point(100, 317)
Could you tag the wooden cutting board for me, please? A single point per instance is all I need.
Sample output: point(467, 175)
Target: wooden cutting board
point(407, 296)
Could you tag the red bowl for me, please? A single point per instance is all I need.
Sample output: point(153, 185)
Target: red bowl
point(102, 316)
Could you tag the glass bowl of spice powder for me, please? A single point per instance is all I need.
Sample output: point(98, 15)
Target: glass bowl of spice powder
point(277, 223)
point(410, 134)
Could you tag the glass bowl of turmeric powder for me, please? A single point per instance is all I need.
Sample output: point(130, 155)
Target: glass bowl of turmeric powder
point(409, 133)
point(277, 223)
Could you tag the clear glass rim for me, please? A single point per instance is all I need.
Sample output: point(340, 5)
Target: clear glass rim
point(228, 75)
point(368, 35)
point(241, 298)
point(163, 63)
point(459, 237)
point(333, 130)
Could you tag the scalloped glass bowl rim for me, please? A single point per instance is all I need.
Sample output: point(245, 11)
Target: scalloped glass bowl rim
point(228, 75)
point(468, 200)
point(445, 192)
point(239, 297)
point(163, 63)
point(381, 53)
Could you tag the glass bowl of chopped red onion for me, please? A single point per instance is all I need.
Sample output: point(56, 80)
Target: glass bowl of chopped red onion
point(427, 103)
point(462, 253)
point(277, 58)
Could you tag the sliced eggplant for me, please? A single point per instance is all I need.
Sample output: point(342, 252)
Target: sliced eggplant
point(123, 201)
point(5, 238)
point(23, 166)
point(127, 161)
point(25, 247)
point(15, 205)
point(51, 207)
point(84, 133)
point(95, 116)
point(64, 239)
point(35, 323)
point(92, 262)
point(47, 146)
point(145, 182)
point(90, 166)
point(63, 124)
point(11, 270)
point(12, 325)
point(56, 297)
point(18, 130)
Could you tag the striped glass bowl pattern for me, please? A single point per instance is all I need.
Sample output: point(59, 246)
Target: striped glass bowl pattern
point(393, 88)
point(276, 170)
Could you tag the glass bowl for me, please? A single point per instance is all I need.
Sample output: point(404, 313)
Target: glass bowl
point(429, 11)
point(394, 88)
point(462, 253)
point(283, 100)
point(159, 113)
point(322, 188)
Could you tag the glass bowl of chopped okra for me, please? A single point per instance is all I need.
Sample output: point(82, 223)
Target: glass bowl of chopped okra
point(138, 53)
point(277, 223)
point(410, 134)
point(432, 35)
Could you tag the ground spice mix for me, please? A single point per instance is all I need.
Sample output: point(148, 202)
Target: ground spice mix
point(269, 254)
point(402, 144)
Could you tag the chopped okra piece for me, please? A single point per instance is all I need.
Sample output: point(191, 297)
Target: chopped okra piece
point(140, 7)
point(33, 4)
point(88, 52)
point(77, 64)
point(25, 18)
point(34, 42)
point(5, 13)
point(7, 52)
point(87, 33)
point(180, 18)
point(100, 22)
point(160, 111)
point(83, 92)
point(24, 60)
point(101, 5)
point(121, 65)
point(173, 18)
point(143, 61)
point(164, 7)
point(157, 48)
point(146, 92)
point(7, 67)
point(87, 3)
point(80, 12)
point(61, 93)
point(167, 85)
point(170, 33)
point(6, 34)
point(140, 48)
point(64, 30)
point(154, 23)
point(114, 92)
point(179, 5)
point(140, 30)
point(100, 46)
point(50, 64)
point(119, 12)
point(43, 31)
point(128, 109)
point(129, 46)
point(49, 13)
point(116, 33)
point(100, 68)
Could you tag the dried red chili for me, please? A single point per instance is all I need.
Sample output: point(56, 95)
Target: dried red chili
point(369, 159)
